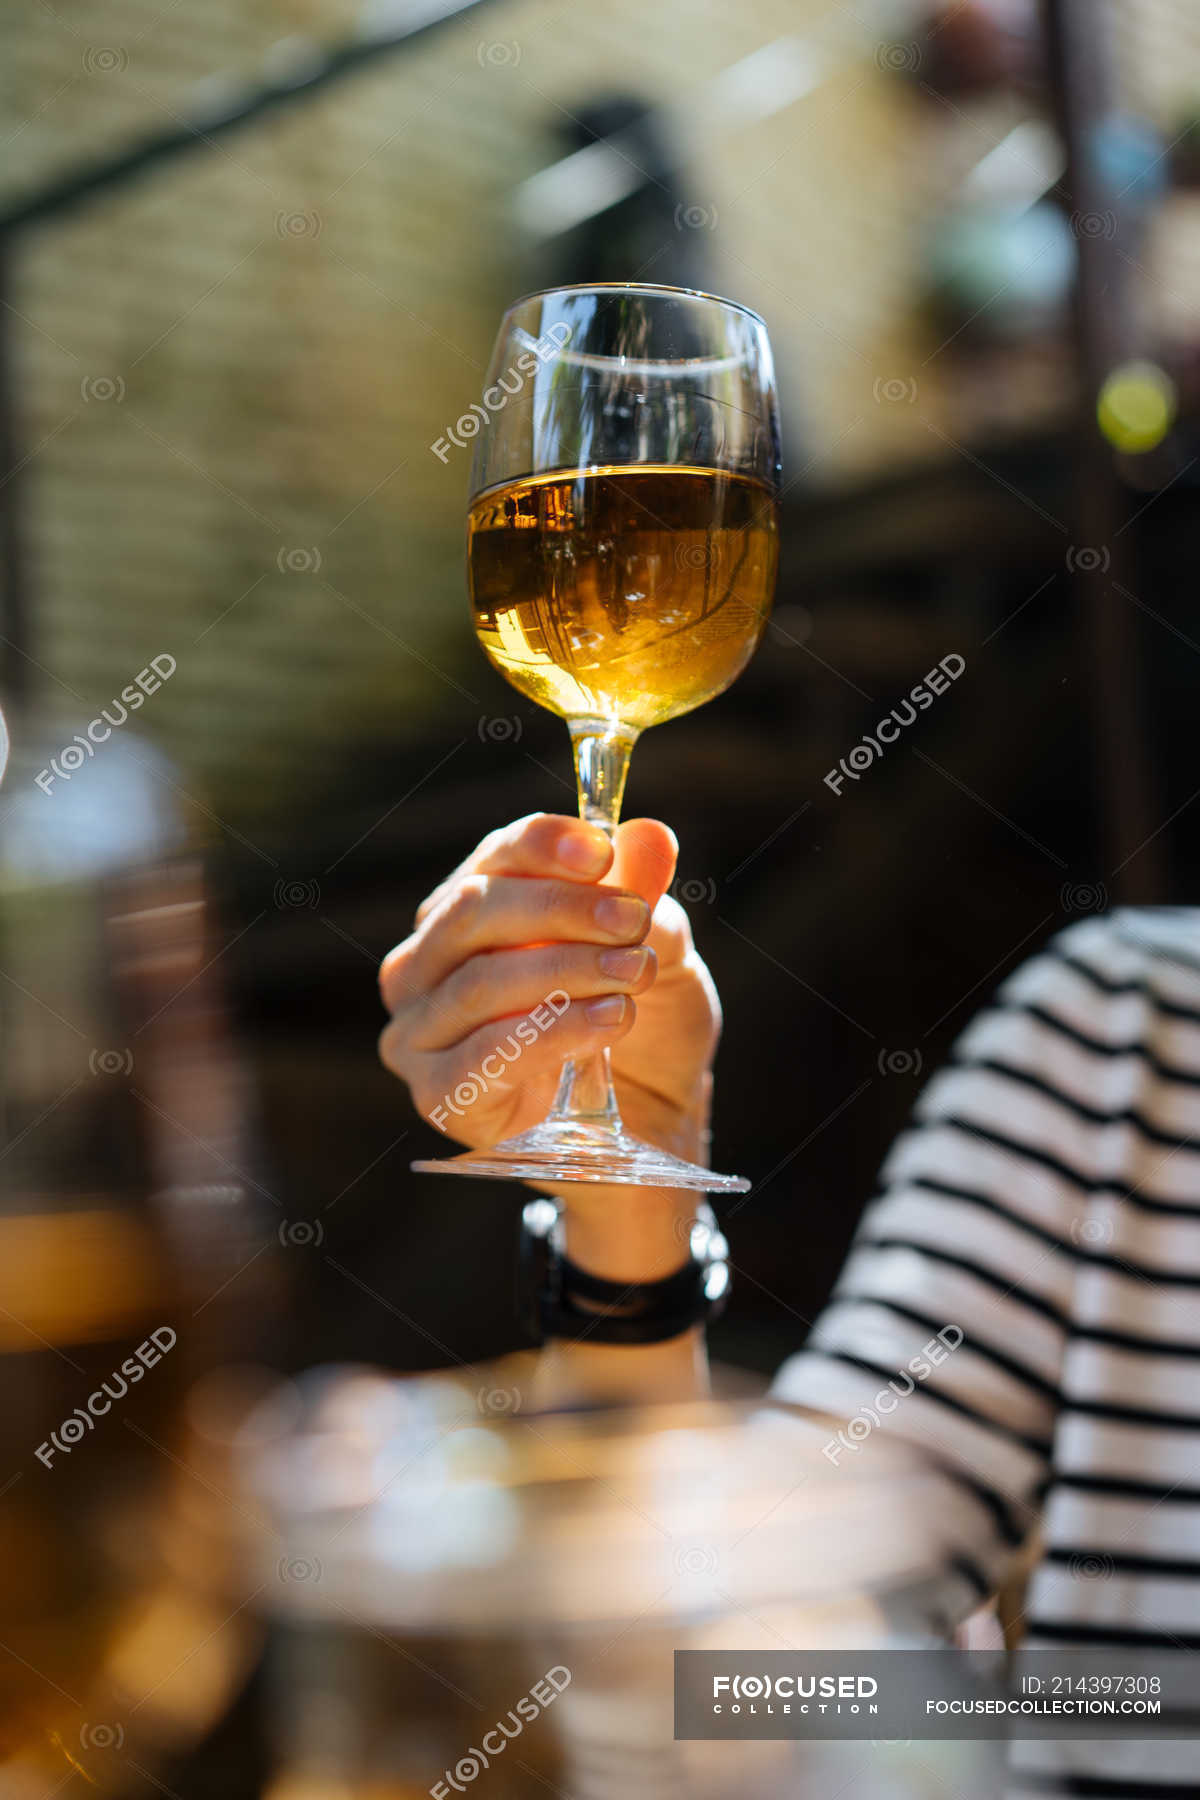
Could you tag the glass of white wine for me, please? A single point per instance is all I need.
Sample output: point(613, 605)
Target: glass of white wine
point(622, 545)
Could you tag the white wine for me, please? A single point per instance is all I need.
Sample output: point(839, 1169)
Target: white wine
point(626, 594)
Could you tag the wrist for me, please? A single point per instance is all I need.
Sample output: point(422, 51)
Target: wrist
point(638, 1234)
point(568, 1302)
point(627, 1233)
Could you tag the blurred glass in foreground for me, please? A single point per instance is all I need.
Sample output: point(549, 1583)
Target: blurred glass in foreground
point(124, 1216)
point(470, 1590)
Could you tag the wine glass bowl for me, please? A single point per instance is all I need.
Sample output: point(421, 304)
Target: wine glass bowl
point(622, 544)
point(622, 529)
point(624, 595)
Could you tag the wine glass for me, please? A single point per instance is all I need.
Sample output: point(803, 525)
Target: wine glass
point(622, 545)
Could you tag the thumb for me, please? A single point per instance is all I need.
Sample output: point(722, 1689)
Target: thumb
point(645, 853)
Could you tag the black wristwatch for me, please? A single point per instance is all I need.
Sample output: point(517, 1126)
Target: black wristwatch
point(561, 1300)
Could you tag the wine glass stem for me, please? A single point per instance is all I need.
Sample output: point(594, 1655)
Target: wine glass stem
point(602, 752)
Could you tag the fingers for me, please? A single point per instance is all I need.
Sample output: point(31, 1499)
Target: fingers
point(507, 1053)
point(499, 912)
point(549, 844)
point(533, 950)
point(646, 852)
point(497, 986)
point(670, 935)
point(523, 916)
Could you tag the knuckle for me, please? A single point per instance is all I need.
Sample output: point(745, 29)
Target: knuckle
point(530, 834)
point(557, 966)
point(543, 830)
point(458, 1072)
point(536, 821)
point(672, 918)
point(568, 964)
point(431, 902)
point(672, 930)
point(698, 968)
point(463, 907)
point(392, 1045)
point(465, 990)
point(477, 1048)
point(393, 974)
point(555, 905)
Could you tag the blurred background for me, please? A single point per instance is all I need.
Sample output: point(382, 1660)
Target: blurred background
point(253, 260)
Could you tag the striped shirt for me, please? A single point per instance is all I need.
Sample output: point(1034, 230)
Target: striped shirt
point(1045, 1201)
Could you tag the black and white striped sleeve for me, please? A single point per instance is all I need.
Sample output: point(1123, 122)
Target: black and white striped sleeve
point(948, 1325)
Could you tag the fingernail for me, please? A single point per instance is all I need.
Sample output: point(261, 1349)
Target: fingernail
point(624, 965)
point(585, 854)
point(621, 915)
point(609, 1011)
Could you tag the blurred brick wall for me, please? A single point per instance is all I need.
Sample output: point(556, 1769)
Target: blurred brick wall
point(230, 373)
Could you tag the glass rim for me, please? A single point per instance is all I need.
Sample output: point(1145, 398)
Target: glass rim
point(635, 287)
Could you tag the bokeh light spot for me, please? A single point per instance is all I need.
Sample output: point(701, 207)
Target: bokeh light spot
point(1137, 406)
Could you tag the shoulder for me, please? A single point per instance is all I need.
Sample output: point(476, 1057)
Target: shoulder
point(1111, 973)
point(1166, 938)
point(1101, 1027)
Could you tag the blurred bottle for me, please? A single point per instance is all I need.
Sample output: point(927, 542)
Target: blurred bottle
point(125, 1211)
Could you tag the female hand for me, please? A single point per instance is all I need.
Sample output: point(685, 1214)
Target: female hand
point(549, 927)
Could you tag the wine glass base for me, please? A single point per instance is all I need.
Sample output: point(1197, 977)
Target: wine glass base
point(564, 1150)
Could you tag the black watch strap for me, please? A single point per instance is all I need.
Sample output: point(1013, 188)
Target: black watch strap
point(565, 1301)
